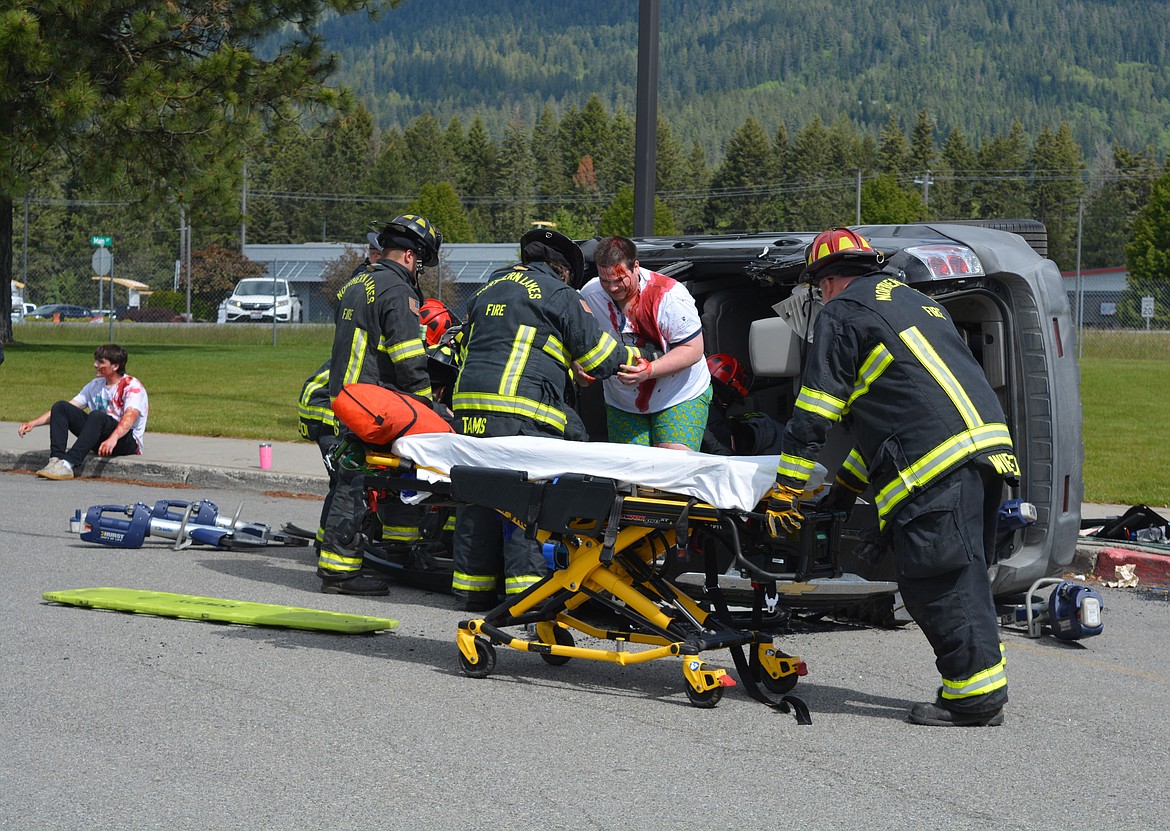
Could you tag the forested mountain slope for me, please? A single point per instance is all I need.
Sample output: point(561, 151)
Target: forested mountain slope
point(975, 65)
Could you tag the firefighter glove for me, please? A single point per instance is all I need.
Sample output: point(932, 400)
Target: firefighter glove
point(783, 513)
point(841, 497)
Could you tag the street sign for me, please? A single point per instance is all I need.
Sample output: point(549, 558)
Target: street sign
point(1147, 307)
point(104, 242)
point(103, 260)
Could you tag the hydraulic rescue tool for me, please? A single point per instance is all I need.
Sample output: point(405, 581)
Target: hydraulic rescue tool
point(1071, 612)
point(186, 523)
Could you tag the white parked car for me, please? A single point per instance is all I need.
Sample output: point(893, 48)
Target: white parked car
point(21, 310)
point(255, 298)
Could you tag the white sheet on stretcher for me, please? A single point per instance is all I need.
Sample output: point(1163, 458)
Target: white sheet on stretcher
point(728, 482)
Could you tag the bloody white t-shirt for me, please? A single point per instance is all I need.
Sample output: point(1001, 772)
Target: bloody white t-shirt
point(664, 315)
point(114, 401)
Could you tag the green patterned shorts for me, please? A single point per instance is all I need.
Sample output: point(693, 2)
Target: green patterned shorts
point(681, 424)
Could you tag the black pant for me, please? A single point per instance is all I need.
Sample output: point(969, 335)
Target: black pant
point(91, 430)
point(326, 442)
point(944, 541)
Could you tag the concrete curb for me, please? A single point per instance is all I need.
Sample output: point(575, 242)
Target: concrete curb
point(177, 474)
point(1099, 559)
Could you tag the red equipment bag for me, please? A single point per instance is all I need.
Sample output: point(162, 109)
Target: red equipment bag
point(379, 416)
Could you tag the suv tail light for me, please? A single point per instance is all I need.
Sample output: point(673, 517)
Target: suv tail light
point(944, 260)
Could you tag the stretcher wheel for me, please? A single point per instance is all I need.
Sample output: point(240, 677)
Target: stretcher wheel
point(704, 700)
point(780, 685)
point(562, 637)
point(486, 654)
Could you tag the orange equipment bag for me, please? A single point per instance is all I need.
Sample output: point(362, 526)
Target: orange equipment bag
point(379, 416)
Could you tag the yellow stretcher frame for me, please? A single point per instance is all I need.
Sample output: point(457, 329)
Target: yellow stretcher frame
point(618, 568)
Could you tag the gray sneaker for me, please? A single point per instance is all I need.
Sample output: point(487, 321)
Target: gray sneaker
point(56, 469)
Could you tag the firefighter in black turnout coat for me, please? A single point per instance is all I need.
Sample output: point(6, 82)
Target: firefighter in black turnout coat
point(377, 340)
point(524, 330)
point(932, 445)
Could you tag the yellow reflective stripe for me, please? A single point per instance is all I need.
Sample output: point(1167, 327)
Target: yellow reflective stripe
point(556, 349)
point(461, 581)
point(515, 585)
point(981, 683)
point(855, 466)
point(599, 353)
point(510, 405)
point(402, 350)
point(514, 368)
point(332, 561)
point(871, 369)
point(357, 357)
point(922, 350)
point(820, 403)
point(939, 460)
point(400, 533)
point(322, 414)
point(794, 467)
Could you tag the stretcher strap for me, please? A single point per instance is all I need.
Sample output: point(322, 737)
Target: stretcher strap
point(611, 531)
point(534, 503)
point(682, 531)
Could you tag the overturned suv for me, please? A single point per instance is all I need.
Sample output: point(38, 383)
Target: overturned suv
point(1007, 300)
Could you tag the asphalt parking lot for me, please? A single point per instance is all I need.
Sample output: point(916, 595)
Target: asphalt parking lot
point(115, 720)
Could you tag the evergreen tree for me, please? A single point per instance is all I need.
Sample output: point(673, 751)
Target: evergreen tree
point(618, 169)
point(517, 183)
point(741, 198)
point(689, 206)
point(440, 204)
point(431, 160)
point(547, 157)
point(920, 159)
point(811, 201)
point(954, 188)
point(1000, 190)
point(884, 201)
point(391, 178)
point(893, 153)
point(618, 218)
point(1057, 187)
point(1110, 210)
point(479, 179)
point(160, 100)
point(1148, 257)
point(339, 162)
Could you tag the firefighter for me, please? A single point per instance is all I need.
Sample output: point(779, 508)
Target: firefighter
point(318, 424)
point(524, 332)
point(377, 340)
point(931, 444)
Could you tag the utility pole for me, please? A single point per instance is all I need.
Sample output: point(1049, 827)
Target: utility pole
point(646, 128)
point(859, 196)
point(926, 181)
point(244, 210)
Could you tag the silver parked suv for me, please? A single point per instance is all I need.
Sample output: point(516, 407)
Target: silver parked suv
point(1007, 299)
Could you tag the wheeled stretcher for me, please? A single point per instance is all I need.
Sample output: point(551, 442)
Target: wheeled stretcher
point(610, 517)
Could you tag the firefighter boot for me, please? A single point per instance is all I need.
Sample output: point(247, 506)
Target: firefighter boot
point(362, 586)
point(936, 716)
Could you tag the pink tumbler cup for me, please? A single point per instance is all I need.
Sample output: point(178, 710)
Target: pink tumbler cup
point(265, 456)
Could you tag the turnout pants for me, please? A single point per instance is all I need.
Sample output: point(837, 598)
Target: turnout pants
point(91, 430)
point(944, 541)
point(486, 543)
point(486, 547)
point(340, 555)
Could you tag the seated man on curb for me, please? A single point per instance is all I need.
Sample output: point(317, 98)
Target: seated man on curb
point(114, 424)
